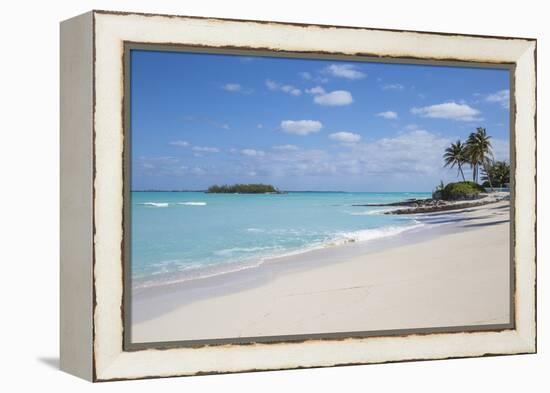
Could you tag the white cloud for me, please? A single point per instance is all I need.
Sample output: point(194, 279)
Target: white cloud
point(390, 115)
point(285, 147)
point(448, 110)
point(345, 137)
point(301, 127)
point(156, 165)
point(501, 97)
point(334, 98)
point(180, 143)
point(198, 171)
point(393, 86)
point(165, 160)
point(501, 149)
point(293, 163)
point(417, 151)
point(206, 149)
point(308, 76)
point(232, 87)
point(401, 157)
point(165, 167)
point(259, 125)
point(271, 85)
point(252, 152)
point(289, 89)
point(236, 88)
point(348, 71)
point(316, 90)
point(406, 158)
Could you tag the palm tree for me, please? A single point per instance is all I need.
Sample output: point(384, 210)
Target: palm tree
point(479, 152)
point(456, 155)
point(499, 172)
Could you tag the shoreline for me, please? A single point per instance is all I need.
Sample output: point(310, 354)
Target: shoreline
point(414, 208)
point(256, 262)
point(204, 306)
point(430, 205)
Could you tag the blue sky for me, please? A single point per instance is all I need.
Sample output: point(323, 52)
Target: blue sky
point(202, 119)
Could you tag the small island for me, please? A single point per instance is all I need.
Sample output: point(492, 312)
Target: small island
point(243, 189)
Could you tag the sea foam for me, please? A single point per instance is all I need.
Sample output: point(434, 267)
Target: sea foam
point(155, 204)
point(372, 234)
point(237, 250)
point(371, 212)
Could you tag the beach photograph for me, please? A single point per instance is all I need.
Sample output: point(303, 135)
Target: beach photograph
point(279, 198)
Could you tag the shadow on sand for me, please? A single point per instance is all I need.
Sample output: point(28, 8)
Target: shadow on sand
point(486, 224)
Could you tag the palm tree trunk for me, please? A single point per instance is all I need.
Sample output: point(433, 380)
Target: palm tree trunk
point(462, 173)
point(488, 176)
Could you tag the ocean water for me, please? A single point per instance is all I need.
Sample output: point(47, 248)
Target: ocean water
point(179, 236)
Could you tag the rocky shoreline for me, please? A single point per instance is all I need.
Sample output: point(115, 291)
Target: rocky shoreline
point(429, 205)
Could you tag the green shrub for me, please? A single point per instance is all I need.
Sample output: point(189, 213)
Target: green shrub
point(461, 190)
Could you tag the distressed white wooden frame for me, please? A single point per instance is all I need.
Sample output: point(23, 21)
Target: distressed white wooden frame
point(92, 194)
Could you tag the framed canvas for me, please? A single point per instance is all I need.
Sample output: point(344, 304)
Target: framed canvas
point(244, 195)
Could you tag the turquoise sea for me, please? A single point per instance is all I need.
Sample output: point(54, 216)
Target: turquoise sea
point(185, 235)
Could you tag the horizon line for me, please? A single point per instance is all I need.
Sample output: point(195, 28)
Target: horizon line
point(160, 190)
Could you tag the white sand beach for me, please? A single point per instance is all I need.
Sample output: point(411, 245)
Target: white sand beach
point(454, 272)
